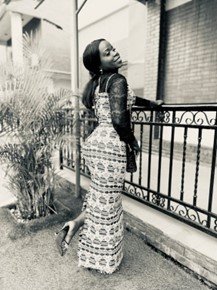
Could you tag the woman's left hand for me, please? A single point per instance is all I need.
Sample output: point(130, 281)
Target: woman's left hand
point(157, 103)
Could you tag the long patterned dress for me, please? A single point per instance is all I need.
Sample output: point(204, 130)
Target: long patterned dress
point(100, 242)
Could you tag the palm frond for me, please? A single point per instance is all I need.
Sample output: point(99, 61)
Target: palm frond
point(35, 121)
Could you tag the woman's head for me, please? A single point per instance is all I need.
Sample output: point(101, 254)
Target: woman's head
point(100, 56)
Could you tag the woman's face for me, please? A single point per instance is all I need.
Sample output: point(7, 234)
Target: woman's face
point(109, 57)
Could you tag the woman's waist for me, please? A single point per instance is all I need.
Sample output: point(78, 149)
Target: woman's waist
point(104, 131)
point(105, 123)
point(104, 119)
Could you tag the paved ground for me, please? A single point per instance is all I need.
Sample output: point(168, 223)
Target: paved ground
point(32, 262)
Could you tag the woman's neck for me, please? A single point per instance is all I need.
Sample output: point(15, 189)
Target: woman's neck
point(110, 71)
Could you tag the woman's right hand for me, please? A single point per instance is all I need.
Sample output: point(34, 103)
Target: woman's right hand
point(135, 147)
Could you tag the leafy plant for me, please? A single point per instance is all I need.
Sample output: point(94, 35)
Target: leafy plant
point(32, 126)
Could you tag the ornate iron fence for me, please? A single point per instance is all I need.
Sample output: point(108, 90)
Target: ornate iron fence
point(177, 164)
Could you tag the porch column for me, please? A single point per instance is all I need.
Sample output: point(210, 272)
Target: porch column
point(152, 49)
point(74, 88)
point(17, 38)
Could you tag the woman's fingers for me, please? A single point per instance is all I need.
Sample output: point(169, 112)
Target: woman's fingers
point(159, 102)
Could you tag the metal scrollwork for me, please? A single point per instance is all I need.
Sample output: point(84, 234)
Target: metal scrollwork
point(188, 213)
point(215, 227)
point(167, 117)
point(213, 121)
point(135, 191)
point(198, 118)
point(158, 200)
point(141, 116)
point(160, 117)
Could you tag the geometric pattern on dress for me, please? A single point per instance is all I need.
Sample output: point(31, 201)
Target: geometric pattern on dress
point(101, 237)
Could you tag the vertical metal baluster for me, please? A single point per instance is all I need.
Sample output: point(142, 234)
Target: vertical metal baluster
point(171, 159)
point(64, 154)
point(83, 126)
point(149, 156)
point(140, 154)
point(73, 122)
point(61, 157)
point(183, 163)
point(71, 132)
point(212, 175)
point(131, 174)
point(71, 160)
point(197, 166)
point(64, 122)
point(61, 128)
point(159, 164)
point(68, 156)
point(67, 122)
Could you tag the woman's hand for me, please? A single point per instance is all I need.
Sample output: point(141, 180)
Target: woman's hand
point(135, 147)
point(157, 103)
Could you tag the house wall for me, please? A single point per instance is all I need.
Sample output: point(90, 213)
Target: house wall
point(103, 25)
point(109, 28)
point(57, 42)
point(128, 38)
point(191, 53)
point(98, 18)
point(190, 57)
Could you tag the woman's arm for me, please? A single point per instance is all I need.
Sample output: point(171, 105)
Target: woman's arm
point(121, 117)
point(140, 102)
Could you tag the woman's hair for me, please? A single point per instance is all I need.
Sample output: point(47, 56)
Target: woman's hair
point(91, 60)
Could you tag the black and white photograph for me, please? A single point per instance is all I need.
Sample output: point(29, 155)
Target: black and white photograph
point(108, 144)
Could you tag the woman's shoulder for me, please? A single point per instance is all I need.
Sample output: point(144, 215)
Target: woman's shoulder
point(111, 79)
point(118, 76)
point(117, 79)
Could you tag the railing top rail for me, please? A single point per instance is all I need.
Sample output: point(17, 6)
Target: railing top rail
point(167, 107)
point(180, 107)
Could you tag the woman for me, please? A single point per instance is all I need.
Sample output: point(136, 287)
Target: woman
point(100, 244)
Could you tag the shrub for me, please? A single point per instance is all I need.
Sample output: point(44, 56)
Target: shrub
point(33, 123)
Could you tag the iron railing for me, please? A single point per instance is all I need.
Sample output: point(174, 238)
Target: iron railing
point(177, 164)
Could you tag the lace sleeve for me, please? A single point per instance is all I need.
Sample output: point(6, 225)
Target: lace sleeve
point(121, 118)
point(141, 102)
